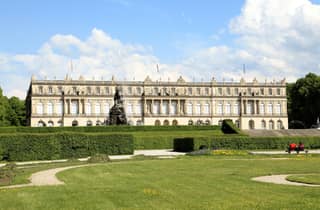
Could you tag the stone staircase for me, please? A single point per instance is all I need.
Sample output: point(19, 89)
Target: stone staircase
point(289, 132)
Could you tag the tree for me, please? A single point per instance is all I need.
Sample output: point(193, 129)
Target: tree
point(4, 106)
point(304, 100)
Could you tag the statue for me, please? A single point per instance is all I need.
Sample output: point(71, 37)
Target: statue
point(117, 115)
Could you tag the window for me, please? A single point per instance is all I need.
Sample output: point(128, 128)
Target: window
point(129, 109)
point(263, 124)
point(74, 90)
point(220, 122)
point(278, 91)
point(41, 124)
point(236, 91)
point(60, 90)
point(40, 89)
point(97, 109)
point(262, 91)
point(206, 108)
point(59, 108)
point(220, 108)
point(228, 108)
point(107, 90)
point(166, 122)
point(50, 90)
point(156, 91)
point(228, 91)
point(236, 108)
point(165, 109)
point(189, 108)
point(278, 108)
point(174, 122)
point(206, 91)
point(198, 109)
point(129, 90)
point(75, 123)
point(251, 124)
point(271, 125)
point(50, 123)
point(198, 91)
point(270, 108)
point(39, 108)
point(138, 90)
point(88, 90)
point(262, 108)
point(173, 91)
point(156, 107)
point(249, 107)
point(279, 125)
point(157, 123)
point(270, 91)
point(98, 90)
point(189, 91)
point(106, 108)
point(74, 107)
point(173, 107)
point(138, 108)
point(220, 91)
point(50, 108)
point(88, 108)
point(89, 123)
point(190, 122)
point(249, 91)
point(237, 123)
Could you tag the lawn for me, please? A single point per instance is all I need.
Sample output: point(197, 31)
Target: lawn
point(305, 178)
point(197, 182)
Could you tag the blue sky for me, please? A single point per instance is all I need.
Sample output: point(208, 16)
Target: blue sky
point(196, 39)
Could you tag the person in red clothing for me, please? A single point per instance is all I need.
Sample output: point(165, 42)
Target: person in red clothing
point(292, 147)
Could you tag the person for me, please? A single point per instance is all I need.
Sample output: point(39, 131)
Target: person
point(292, 147)
point(300, 147)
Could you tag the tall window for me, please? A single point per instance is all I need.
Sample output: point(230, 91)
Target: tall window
point(97, 109)
point(138, 108)
point(220, 108)
point(106, 108)
point(278, 91)
point(198, 91)
point(107, 90)
point(261, 108)
point(206, 108)
point(228, 108)
point(129, 90)
point(263, 124)
point(40, 90)
point(98, 90)
point(249, 107)
point(189, 91)
point(271, 125)
point(129, 109)
point(39, 108)
point(198, 109)
point(50, 108)
point(228, 91)
point(278, 108)
point(74, 107)
point(262, 91)
point(220, 91)
point(165, 109)
point(270, 91)
point(59, 108)
point(50, 90)
point(189, 108)
point(206, 91)
point(173, 107)
point(270, 108)
point(88, 108)
point(236, 91)
point(236, 108)
point(279, 124)
point(156, 107)
point(88, 90)
point(138, 90)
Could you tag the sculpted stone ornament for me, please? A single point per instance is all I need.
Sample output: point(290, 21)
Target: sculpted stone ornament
point(117, 115)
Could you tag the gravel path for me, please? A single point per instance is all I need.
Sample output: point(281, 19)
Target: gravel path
point(47, 177)
point(280, 179)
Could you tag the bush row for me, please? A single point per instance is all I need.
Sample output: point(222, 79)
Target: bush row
point(104, 129)
point(245, 142)
point(229, 128)
point(23, 147)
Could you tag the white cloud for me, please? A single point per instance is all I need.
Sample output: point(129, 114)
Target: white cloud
point(275, 39)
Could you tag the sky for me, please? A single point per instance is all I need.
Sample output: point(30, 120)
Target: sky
point(197, 40)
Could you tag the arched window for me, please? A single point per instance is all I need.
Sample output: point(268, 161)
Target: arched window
point(279, 125)
point(50, 123)
point(75, 123)
point(39, 108)
point(190, 122)
point(263, 124)
point(89, 123)
point(174, 122)
point(139, 122)
point(220, 122)
point(130, 122)
point(157, 123)
point(251, 124)
point(237, 122)
point(199, 122)
point(271, 125)
point(166, 122)
point(208, 122)
point(41, 124)
point(60, 124)
point(49, 108)
point(98, 123)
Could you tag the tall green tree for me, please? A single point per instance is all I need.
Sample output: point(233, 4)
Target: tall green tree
point(4, 108)
point(304, 100)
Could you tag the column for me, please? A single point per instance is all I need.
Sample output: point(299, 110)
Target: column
point(254, 107)
point(161, 106)
point(80, 106)
point(169, 107)
point(178, 107)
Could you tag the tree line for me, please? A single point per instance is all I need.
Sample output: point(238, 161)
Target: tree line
point(303, 104)
point(12, 111)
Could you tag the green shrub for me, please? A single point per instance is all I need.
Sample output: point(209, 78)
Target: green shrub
point(229, 128)
point(22, 147)
point(99, 158)
point(93, 129)
point(183, 144)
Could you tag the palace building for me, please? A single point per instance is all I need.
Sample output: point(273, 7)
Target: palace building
point(250, 105)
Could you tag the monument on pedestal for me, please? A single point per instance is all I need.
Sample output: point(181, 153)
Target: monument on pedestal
point(117, 115)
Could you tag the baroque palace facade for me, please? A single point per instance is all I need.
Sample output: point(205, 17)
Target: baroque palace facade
point(250, 105)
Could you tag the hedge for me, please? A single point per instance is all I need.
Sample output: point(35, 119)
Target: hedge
point(124, 128)
point(251, 143)
point(229, 128)
point(23, 147)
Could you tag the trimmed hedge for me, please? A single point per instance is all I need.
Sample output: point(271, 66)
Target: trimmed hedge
point(183, 144)
point(253, 143)
point(229, 128)
point(23, 147)
point(124, 128)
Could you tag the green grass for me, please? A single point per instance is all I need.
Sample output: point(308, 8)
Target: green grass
point(305, 178)
point(197, 182)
